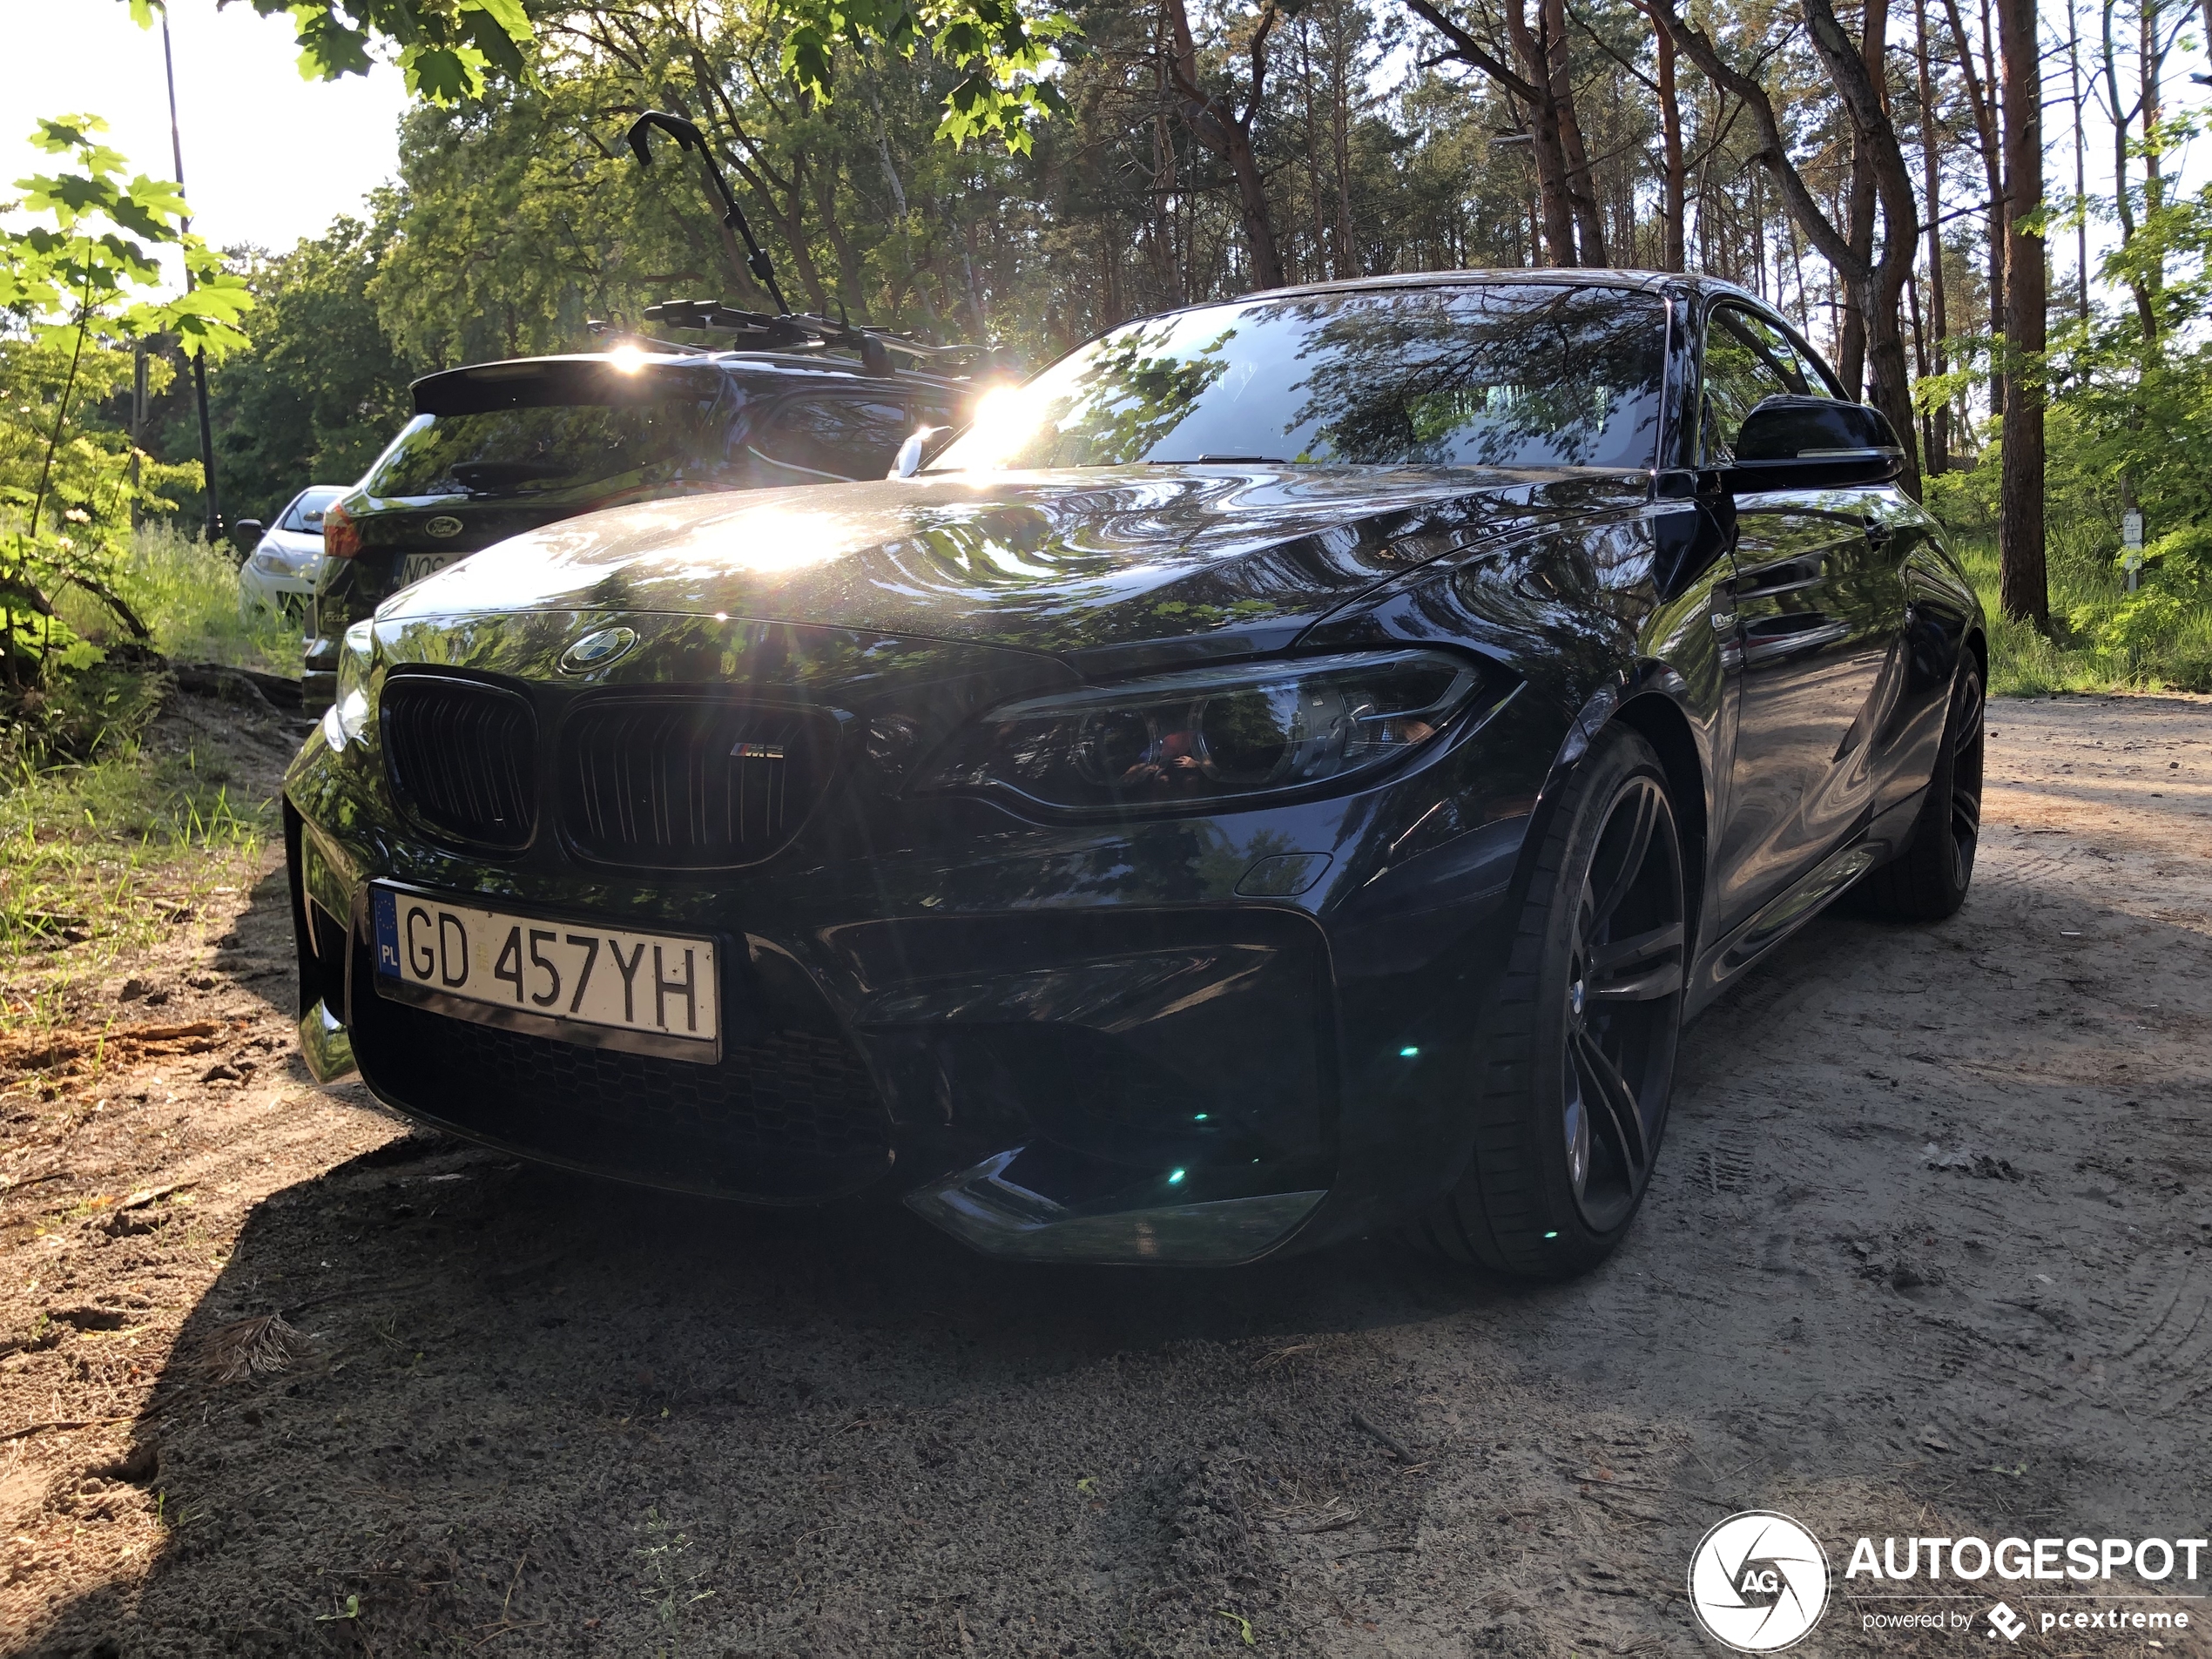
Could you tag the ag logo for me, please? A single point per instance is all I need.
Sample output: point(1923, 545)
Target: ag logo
point(596, 650)
point(1758, 1581)
point(442, 526)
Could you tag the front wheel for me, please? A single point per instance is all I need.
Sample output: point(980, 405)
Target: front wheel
point(1575, 1055)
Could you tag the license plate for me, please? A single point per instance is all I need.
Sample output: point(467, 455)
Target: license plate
point(579, 980)
point(415, 566)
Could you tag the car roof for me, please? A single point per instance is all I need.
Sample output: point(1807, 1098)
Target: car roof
point(1521, 276)
point(797, 367)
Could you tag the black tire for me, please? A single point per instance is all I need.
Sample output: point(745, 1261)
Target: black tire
point(1928, 880)
point(1575, 1055)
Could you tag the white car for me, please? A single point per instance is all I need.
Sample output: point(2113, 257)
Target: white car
point(287, 560)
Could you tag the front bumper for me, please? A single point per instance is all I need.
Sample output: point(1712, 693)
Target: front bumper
point(1109, 1043)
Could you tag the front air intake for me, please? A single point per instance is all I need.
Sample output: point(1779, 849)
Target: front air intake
point(462, 758)
point(690, 782)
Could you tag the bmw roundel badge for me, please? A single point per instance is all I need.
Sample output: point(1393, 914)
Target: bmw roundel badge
point(596, 650)
point(443, 525)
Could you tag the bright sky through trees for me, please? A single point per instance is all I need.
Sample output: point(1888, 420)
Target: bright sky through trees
point(268, 157)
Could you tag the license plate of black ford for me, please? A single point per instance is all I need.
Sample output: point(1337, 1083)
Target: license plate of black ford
point(415, 566)
point(581, 980)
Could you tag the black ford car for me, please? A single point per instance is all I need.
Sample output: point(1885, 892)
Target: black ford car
point(498, 449)
point(1286, 772)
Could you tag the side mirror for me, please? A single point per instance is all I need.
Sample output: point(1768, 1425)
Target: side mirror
point(245, 535)
point(909, 459)
point(1788, 442)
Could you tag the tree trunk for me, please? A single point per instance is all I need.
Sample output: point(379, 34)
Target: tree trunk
point(2081, 159)
point(2152, 63)
point(851, 285)
point(1316, 197)
point(1932, 171)
point(1581, 193)
point(1167, 243)
point(1347, 262)
point(1533, 92)
point(791, 215)
point(2146, 313)
point(1230, 135)
point(1252, 204)
point(1879, 289)
point(1545, 146)
point(1998, 192)
point(1980, 100)
point(1873, 48)
point(2023, 586)
point(1676, 176)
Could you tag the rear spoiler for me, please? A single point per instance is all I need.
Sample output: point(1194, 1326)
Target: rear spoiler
point(544, 382)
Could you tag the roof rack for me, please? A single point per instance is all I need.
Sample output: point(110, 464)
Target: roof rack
point(783, 329)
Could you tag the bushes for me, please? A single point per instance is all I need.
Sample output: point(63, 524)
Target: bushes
point(89, 702)
point(187, 592)
point(2103, 638)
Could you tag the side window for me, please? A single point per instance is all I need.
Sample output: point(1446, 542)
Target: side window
point(1746, 361)
point(1809, 369)
point(813, 439)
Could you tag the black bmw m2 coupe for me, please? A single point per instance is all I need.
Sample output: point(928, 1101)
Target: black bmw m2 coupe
point(1284, 772)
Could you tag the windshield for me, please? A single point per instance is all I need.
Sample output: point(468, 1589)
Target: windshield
point(305, 515)
point(1496, 375)
point(598, 450)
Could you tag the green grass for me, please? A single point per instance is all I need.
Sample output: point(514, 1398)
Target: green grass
point(111, 853)
point(186, 592)
point(106, 842)
point(2088, 650)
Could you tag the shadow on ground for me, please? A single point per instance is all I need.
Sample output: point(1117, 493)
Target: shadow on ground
point(526, 1413)
point(595, 1418)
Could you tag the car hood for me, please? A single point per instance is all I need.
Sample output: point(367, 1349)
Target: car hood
point(1091, 564)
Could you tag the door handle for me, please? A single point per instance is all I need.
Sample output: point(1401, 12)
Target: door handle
point(1878, 534)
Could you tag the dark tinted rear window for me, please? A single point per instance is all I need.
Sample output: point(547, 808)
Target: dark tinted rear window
point(600, 437)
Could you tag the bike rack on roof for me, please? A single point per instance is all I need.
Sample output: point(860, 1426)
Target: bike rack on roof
point(783, 329)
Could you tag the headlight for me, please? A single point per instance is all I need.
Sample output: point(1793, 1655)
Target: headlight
point(349, 717)
point(1216, 734)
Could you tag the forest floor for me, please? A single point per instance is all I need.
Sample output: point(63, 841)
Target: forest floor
point(1929, 1251)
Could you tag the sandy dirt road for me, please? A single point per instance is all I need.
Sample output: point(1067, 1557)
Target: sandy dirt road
point(1930, 1252)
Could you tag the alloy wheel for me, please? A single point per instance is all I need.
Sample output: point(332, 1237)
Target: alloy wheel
point(1623, 1001)
point(1966, 740)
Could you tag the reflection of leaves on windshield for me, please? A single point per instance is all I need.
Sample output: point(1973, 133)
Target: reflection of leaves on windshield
point(1444, 378)
point(1501, 374)
point(1131, 393)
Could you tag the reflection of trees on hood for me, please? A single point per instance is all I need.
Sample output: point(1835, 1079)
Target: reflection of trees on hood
point(1471, 378)
point(1132, 393)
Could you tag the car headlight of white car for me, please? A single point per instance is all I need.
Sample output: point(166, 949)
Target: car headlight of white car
point(347, 718)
